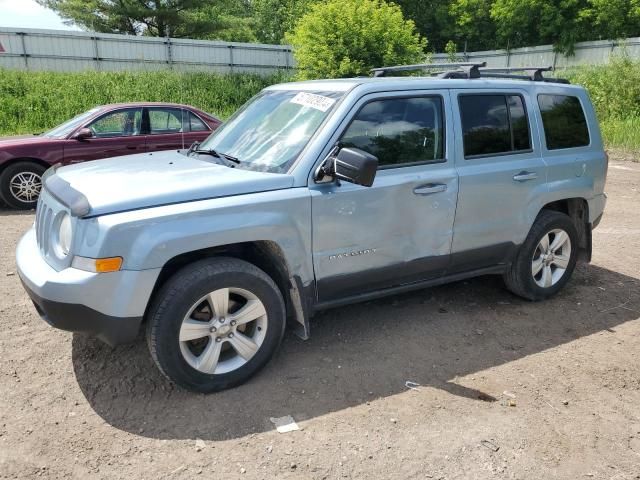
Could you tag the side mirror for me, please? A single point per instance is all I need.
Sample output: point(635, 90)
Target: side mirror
point(354, 166)
point(83, 134)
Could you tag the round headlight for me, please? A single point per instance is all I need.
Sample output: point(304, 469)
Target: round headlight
point(65, 234)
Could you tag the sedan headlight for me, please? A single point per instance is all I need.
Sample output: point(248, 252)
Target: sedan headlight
point(65, 234)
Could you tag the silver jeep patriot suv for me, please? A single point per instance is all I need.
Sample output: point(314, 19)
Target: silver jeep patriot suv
point(314, 195)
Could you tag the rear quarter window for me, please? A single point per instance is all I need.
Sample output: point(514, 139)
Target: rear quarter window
point(564, 122)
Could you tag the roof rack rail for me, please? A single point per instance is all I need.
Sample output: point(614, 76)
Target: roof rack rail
point(474, 70)
point(470, 70)
point(534, 73)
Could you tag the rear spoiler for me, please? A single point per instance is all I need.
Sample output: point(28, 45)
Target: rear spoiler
point(63, 192)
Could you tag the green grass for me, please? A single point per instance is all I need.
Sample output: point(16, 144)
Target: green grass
point(36, 101)
point(615, 92)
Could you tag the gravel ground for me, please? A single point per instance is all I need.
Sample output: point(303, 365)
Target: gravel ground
point(508, 389)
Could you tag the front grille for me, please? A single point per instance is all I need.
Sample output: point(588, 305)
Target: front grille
point(47, 211)
point(44, 216)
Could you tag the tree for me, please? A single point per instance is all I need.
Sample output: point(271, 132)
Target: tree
point(432, 19)
point(341, 38)
point(473, 24)
point(180, 18)
point(532, 22)
point(613, 19)
point(273, 18)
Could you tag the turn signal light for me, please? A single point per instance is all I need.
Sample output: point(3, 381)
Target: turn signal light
point(98, 265)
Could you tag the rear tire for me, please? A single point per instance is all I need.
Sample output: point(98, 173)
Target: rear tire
point(20, 184)
point(547, 258)
point(215, 323)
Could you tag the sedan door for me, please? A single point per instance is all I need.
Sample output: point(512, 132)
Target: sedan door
point(115, 133)
point(399, 230)
point(173, 128)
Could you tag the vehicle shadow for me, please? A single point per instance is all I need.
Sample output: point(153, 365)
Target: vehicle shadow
point(358, 353)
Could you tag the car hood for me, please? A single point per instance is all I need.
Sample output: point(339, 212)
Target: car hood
point(23, 140)
point(152, 179)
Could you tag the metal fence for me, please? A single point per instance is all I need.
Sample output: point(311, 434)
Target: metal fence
point(586, 53)
point(35, 49)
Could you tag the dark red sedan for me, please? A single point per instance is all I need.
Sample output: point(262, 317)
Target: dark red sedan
point(102, 132)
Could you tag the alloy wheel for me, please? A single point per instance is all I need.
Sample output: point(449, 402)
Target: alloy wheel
point(551, 258)
point(25, 186)
point(223, 330)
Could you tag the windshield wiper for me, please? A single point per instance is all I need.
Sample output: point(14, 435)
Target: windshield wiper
point(213, 153)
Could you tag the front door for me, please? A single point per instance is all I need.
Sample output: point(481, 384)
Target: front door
point(399, 230)
point(115, 133)
point(502, 176)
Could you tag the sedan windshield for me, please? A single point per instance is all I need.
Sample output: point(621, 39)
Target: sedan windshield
point(63, 131)
point(270, 131)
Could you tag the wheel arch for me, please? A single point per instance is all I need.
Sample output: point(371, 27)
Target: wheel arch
point(15, 160)
point(264, 254)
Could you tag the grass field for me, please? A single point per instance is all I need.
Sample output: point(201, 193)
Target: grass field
point(35, 101)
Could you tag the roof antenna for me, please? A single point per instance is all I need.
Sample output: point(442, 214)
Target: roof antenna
point(167, 32)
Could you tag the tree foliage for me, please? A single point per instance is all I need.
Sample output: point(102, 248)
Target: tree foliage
point(341, 38)
point(180, 18)
point(274, 18)
point(518, 23)
point(476, 24)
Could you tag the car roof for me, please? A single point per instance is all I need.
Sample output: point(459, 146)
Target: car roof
point(147, 104)
point(113, 106)
point(414, 83)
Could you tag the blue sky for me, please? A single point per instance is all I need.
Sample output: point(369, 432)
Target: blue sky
point(28, 14)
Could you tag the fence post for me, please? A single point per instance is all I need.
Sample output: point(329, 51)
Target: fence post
point(24, 49)
point(230, 58)
point(169, 53)
point(96, 52)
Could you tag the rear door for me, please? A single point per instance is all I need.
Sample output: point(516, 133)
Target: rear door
point(399, 230)
point(172, 128)
point(118, 132)
point(501, 172)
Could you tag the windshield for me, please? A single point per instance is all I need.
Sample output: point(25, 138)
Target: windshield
point(63, 131)
point(270, 131)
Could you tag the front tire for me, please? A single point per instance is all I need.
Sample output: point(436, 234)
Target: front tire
point(215, 323)
point(20, 184)
point(547, 258)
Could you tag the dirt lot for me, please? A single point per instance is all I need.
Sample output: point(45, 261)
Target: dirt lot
point(71, 407)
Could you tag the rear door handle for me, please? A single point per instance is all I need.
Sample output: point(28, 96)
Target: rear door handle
point(430, 188)
point(524, 176)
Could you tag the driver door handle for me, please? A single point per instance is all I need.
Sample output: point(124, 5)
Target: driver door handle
point(524, 176)
point(430, 189)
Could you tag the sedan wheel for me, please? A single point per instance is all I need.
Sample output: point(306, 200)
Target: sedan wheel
point(21, 183)
point(25, 186)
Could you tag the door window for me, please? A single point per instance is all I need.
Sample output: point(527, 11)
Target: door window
point(196, 125)
point(494, 125)
point(565, 125)
point(166, 120)
point(399, 131)
point(122, 123)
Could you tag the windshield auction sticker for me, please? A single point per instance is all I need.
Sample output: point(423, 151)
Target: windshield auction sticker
point(314, 101)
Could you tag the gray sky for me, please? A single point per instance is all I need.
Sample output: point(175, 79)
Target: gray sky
point(28, 14)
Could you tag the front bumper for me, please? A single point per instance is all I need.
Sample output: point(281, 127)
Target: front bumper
point(109, 306)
